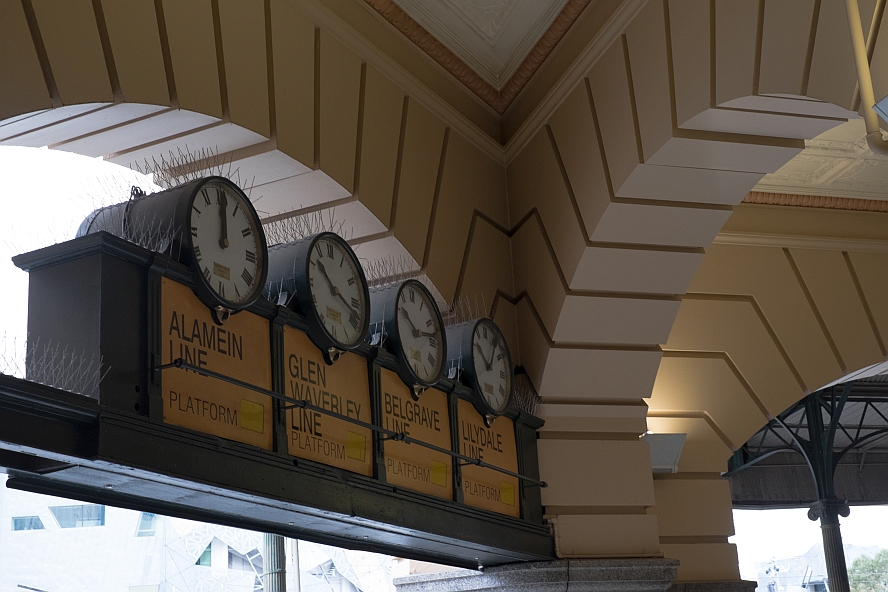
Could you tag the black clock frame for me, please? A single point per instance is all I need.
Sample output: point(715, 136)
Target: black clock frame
point(384, 308)
point(459, 352)
point(174, 207)
point(290, 262)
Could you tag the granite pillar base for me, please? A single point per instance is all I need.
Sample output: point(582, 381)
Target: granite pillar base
point(577, 575)
point(740, 586)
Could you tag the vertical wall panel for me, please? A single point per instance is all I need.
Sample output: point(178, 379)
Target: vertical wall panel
point(833, 74)
point(829, 281)
point(340, 92)
point(736, 23)
point(246, 70)
point(577, 141)
point(610, 91)
point(139, 64)
point(872, 272)
point(189, 26)
point(421, 156)
point(646, 38)
point(708, 501)
point(488, 266)
point(383, 105)
point(785, 45)
point(72, 43)
point(22, 88)
point(703, 450)
point(535, 180)
point(470, 181)
point(689, 25)
point(535, 272)
point(292, 36)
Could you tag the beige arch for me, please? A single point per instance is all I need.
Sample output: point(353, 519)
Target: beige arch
point(581, 243)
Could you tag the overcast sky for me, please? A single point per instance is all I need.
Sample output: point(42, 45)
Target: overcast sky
point(45, 194)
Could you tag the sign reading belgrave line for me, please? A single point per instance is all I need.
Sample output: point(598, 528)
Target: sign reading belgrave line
point(242, 420)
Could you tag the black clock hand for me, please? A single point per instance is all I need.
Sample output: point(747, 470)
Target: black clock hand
point(413, 329)
point(223, 208)
point(483, 357)
point(333, 289)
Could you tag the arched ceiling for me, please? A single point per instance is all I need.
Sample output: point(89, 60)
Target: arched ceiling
point(578, 218)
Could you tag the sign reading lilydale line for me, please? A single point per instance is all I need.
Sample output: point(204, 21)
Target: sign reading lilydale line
point(495, 445)
point(240, 349)
point(344, 389)
point(426, 419)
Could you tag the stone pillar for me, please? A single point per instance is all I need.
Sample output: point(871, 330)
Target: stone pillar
point(274, 561)
point(575, 575)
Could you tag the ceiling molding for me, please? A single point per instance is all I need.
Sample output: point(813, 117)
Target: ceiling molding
point(499, 100)
point(615, 25)
point(387, 66)
point(816, 201)
point(820, 243)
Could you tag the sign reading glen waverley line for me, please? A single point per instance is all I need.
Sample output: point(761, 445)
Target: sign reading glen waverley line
point(240, 350)
point(344, 389)
point(427, 419)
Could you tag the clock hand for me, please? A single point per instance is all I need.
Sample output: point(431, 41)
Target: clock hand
point(483, 357)
point(333, 289)
point(223, 208)
point(412, 326)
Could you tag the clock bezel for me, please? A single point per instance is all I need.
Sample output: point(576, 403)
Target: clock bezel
point(202, 288)
point(469, 375)
point(317, 332)
point(391, 324)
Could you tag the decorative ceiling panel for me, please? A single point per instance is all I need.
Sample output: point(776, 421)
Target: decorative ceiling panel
point(491, 36)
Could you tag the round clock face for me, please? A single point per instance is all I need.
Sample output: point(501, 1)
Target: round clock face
point(337, 291)
point(492, 365)
point(227, 243)
point(419, 332)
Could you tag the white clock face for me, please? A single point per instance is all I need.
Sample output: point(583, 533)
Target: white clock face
point(491, 366)
point(226, 243)
point(419, 331)
point(337, 291)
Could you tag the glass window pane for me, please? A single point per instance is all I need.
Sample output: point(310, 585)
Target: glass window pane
point(27, 523)
point(206, 556)
point(78, 516)
point(147, 523)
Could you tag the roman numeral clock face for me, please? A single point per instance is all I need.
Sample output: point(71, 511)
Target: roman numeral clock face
point(492, 366)
point(419, 333)
point(226, 242)
point(337, 291)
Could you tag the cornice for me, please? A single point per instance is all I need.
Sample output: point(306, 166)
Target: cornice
point(816, 201)
point(499, 100)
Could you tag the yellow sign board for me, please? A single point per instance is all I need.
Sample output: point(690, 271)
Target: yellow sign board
point(428, 419)
point(240, 349)
point(482, 487)
point(343, 388)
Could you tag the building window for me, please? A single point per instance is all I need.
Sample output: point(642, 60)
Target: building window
point(27, 523)
point(78, 516)
point(206, 557)
point(147, 524)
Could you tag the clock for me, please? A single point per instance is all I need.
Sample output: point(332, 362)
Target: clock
point(226, 245)
point(479, 348)
point(208, 224)
point(413, 330)
point(328, 287)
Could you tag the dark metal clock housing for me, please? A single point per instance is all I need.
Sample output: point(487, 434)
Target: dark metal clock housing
point(289, 277)
point(166, 216)
point(384, 315)
point(461, 339)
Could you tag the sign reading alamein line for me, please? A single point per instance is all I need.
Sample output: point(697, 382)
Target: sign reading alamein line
point(427, 419)
point(344, 389)
point(482, 487)
point(239, 349)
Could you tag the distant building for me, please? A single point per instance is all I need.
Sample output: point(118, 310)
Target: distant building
point(50, 544)
point(804, 573)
